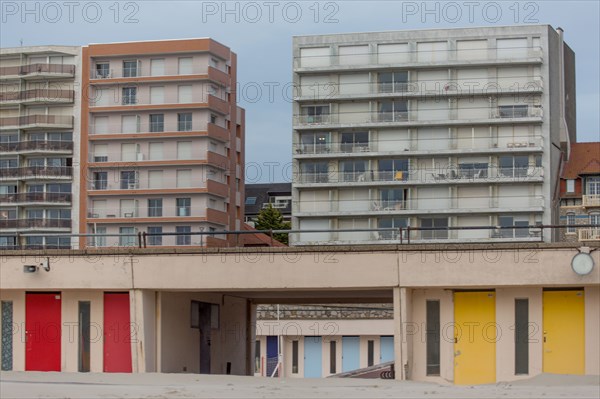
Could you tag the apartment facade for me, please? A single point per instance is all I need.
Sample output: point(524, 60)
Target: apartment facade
point(580, 193)
point(430, 129)
point(162, 143)
point(39, 136)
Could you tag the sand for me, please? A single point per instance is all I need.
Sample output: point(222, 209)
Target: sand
point(151, 385)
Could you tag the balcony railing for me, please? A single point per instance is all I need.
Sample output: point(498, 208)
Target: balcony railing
point(209, 184)
point(35, 223)
point(62, 121)
point(589, 234)
point(430, 88)
point(459, 144)
point(424, 115)
point(36, 172)
point(420, 57)
point(445, 176)
point(46, 69)
point(44, 145)
point(424, 205)
point(35, 197)
point(591, 200)
point(145, 212)
point(39, 95)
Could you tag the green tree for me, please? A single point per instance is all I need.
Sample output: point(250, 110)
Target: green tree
point(270, 218)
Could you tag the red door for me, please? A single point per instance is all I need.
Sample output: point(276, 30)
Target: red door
point(117, 333)
point(42, 331)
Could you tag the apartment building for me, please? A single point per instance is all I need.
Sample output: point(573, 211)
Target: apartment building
point(260, 195)
point(430, 129)
point(580, 193)
point(39, 130)
point(162, 143)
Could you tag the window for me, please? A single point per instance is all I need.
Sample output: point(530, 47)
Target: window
point(507, 221)
point(595, 219)
point(130, 124)
point(354, 170)
point(127, 236)
point(512, 111)
point(59, 214)
point(157, 123)
point(100, 181)
point(100, 152)
point(155, 239)
point(294, 357)
point(155, 207)
point(472, 170)
point(570, 222)
point(184, 94)
point(155, 151)
point(370, 352)
point(183, 239)
point(183, 206)
point(129, 95)
point(250, 201)
point(314, 172)
point(184, 122)
point(130, 68)
point(102, 70)
point(570, 185)
point(393, 169)
point(355, 142)
point(99, 240)
point(432, 336)
point(314, 143)
point(592, 186)
point(185, 66)
point(392, 199)
point(213, 119)
point(36, 242)
point(521, 336)
point(157, 67)
point(35, 188)
point(157, 95)
point(184, 178)
point(439, 233)
point(393, 82)
point(514, 166)
point(214, 62)
point(58, 242)
point(129, 180)
point(184, 150)
point(316, 113)
point(332, 357)
point(393, 111)
point(155, 179)
point(391, 223)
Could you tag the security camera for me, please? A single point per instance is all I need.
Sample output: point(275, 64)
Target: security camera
point(30, 268)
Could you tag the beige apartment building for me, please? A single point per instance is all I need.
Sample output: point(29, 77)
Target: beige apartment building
point(430, 129)
point(39, 137)
point(162, 143)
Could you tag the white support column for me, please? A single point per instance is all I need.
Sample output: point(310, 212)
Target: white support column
point(143, 319)
point(398, 335)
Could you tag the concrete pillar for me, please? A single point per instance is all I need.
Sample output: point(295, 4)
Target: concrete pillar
point(250, 336)
point(398, 335)
point(403, 332)
point(143, 321)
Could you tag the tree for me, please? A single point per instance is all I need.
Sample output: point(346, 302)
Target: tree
point(270, 218)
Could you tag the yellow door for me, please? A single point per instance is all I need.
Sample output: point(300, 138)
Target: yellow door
point(474, 337)
point(564, 332)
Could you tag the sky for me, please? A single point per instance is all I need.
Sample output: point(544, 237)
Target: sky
point(260, 32)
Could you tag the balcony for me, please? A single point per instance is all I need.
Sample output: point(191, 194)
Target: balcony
point(420, 89)
point(142, 187)
point(38, 96)
point(36, 172)
point(37, 146)
point(422, 59)
point(156, 215)
point(590, 201)
point(166, 129)
point(117, 102)
point(495, 115)
point(35, 223)
point(589, 234)
point(456, 205)
point(24, 198)
point(118, 159)
point(112, 76)
point(471, 145)
point(37, 121)
point(424, 176)
point(37, 70)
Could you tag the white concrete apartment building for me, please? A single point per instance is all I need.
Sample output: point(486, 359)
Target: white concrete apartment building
point(430, 129)
point(39, 130)
point(162, 142)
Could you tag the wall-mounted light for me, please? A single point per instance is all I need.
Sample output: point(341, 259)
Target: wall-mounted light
point(583, 262)
point(45, 264)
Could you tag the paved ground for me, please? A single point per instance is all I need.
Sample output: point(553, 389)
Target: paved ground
point(155, 386)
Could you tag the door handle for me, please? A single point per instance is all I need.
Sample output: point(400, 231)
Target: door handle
point(455, 340)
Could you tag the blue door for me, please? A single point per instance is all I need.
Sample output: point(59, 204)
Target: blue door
point(313, 358)
point(350, 353)
point(272, 354)
point(387, 349)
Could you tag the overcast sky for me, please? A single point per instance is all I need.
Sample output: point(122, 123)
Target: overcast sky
point(261, 34)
